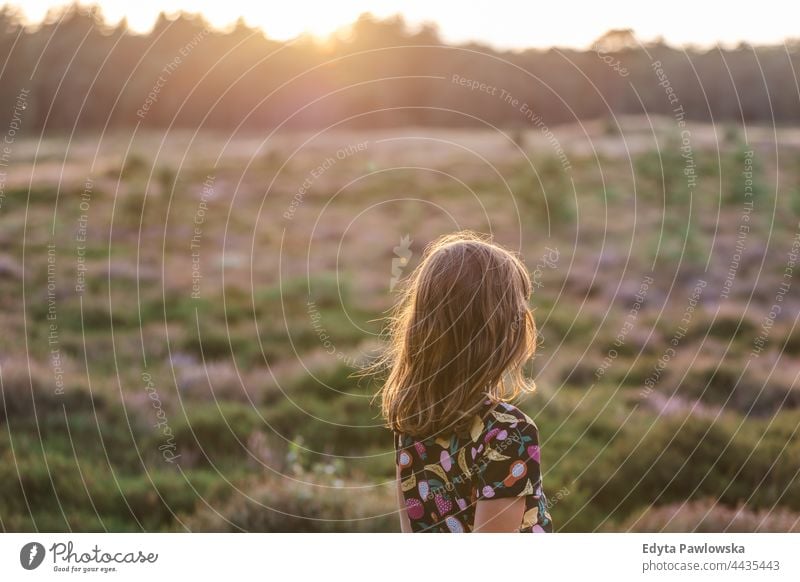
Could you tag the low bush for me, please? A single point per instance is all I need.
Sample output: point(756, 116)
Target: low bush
point(709, 516)
point(282, 504)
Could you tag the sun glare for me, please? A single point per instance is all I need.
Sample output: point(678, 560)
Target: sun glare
point(570, 23)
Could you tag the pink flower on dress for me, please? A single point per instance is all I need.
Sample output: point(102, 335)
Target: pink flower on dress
point(443, 504)
point(534, 453)
point(445, 460)
point(491, 434)
point(414, 508)
point(488, 491)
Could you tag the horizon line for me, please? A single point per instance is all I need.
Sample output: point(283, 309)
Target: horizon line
point(56, 11)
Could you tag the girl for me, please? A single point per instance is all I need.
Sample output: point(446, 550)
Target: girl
point(466, 459)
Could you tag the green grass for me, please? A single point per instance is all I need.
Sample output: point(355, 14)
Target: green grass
point(310, 446)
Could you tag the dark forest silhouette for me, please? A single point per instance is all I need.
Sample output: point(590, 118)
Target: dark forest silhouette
point(85, 74)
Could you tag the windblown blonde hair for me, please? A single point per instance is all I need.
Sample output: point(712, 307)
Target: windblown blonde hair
point(460, 333)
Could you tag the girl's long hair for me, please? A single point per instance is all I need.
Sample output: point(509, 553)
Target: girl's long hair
point(460, 333)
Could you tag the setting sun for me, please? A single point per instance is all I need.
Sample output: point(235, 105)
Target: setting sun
point(569, 23)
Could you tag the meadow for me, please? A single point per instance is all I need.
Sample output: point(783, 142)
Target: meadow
point(185, 317)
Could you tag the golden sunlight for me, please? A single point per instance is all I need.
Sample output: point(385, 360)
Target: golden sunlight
point(569, 23)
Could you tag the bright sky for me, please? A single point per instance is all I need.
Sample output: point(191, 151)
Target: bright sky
point(502, 23)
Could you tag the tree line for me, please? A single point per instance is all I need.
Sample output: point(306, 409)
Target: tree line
point(78, 72)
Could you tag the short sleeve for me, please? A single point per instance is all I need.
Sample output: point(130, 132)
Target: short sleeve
point(402, 456)
point(509, 464)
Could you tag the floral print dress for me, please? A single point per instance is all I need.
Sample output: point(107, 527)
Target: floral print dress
point(443, 479)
